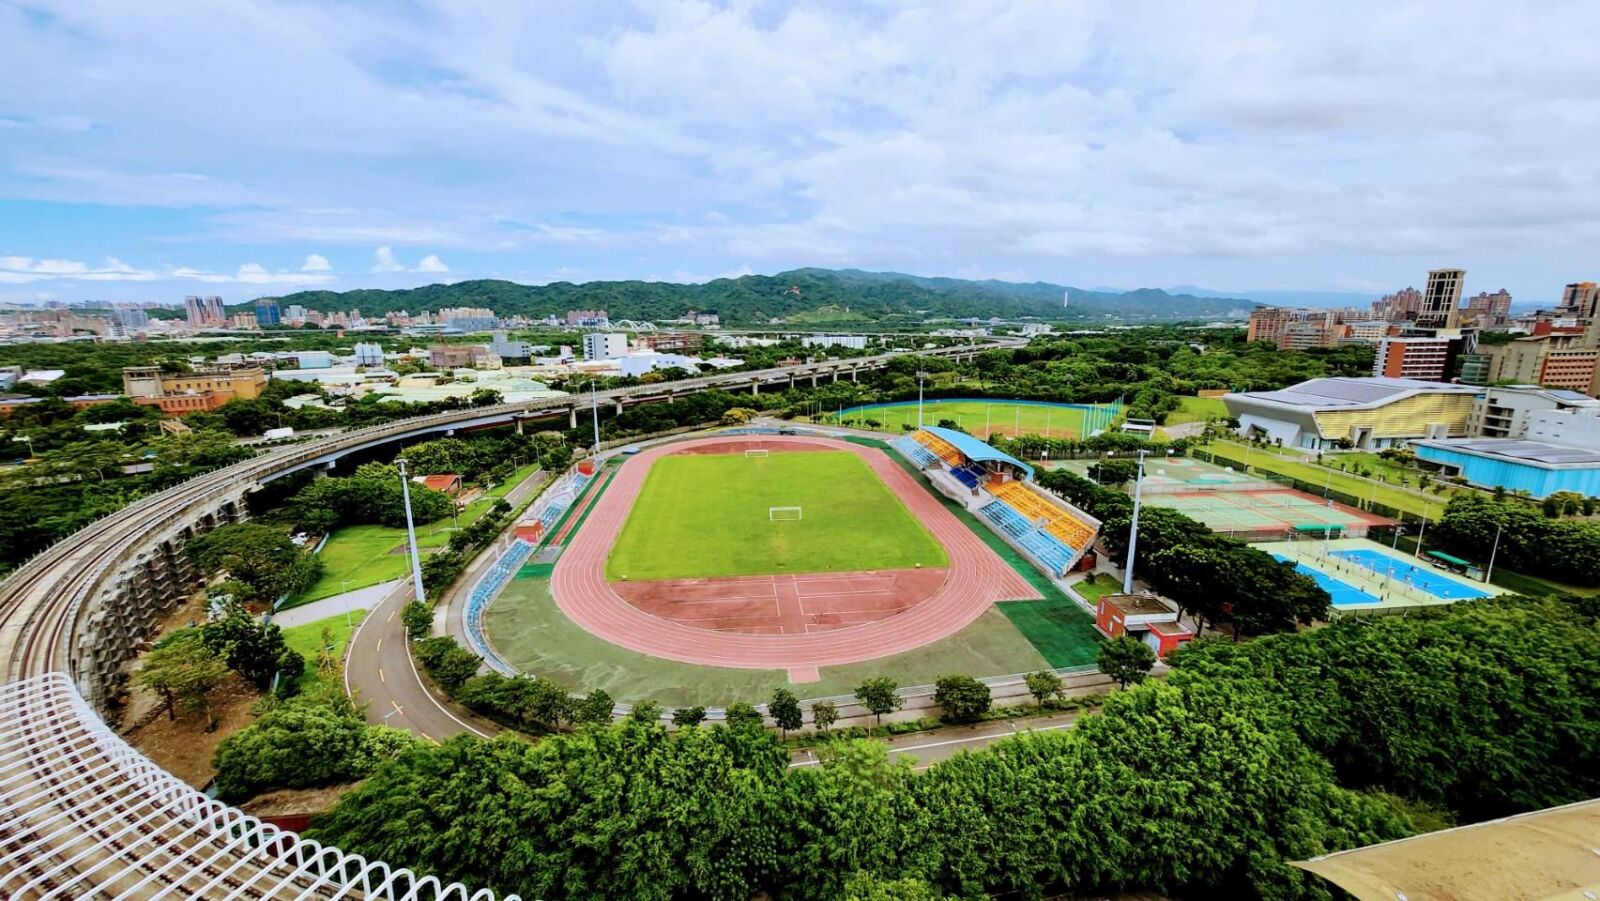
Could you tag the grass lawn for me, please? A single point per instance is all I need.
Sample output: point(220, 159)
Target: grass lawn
point(985, 417)
point(1099, 588)
point(1431, 505)
point(358, 556)
point(706, 515)
point(1197, 409)
point(532, 634)
point(306, 640)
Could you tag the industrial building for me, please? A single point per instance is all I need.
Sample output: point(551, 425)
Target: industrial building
point(203, 390)
point(1506, 411)
point(1361, 413)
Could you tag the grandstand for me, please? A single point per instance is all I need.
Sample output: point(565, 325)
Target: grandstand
point(485, 590)
point(999, 488)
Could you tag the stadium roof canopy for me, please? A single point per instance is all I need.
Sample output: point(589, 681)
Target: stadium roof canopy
point(973, 449)
point(1553, 853)
point(1353, 393)
point(86, 816)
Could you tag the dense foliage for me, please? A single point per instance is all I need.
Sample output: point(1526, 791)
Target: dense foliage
point(261, 561)
point(304, 743)
point(370, 495)
point(1564, 550)
point(1204, 784)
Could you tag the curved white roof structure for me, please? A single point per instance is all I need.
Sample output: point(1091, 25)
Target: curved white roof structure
point(83, 815)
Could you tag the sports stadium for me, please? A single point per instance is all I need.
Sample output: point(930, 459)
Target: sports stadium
point(715, 567)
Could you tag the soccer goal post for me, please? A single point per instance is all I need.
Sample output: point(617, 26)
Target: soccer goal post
point(783, 514)
point(755, 452)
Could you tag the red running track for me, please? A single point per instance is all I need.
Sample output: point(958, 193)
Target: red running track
point(976, 579)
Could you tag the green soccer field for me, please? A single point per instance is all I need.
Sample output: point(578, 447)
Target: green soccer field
point(702, 515)
point(986, 418)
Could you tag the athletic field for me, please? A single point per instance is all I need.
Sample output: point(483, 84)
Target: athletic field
point(705, 515)
point(985, 418)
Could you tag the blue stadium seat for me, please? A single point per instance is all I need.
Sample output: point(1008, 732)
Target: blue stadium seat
point(1037, 543)
point(916, 453)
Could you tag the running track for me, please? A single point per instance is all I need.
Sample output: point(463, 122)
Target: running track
point(977, 578)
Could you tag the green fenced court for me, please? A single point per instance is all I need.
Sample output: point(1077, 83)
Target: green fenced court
point(705, 515)
point(986, 418)
point(1266, 511)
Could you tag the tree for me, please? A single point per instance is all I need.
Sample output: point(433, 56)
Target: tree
point(184, 671)
point(645, 712)
point(1126, 660)
point(257, 556)
point(417, 617)
point(688, 717)
point(879, 695)
point(738, 416)
point(785, 710)
point(741, 715)
point(303, 744)
point(961, 699)
point(254, 649)
point(595, 709)
point(450, 664)
point(823, 715)
point(1043, 685)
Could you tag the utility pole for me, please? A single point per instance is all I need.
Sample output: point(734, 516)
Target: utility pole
point(1492, 552)
point(1133, 531)
point(411, 532)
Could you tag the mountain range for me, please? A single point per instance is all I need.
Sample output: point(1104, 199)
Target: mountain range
point(804, 296)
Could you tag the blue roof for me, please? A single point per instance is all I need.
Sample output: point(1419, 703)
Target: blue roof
point(973, 449)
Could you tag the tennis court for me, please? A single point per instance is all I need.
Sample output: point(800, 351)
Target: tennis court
point(1365, 576)
point(1342, 595)
point(1417, 575)
point(1278, 510)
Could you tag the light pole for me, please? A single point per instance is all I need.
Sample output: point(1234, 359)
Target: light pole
point(1489, 574)
point(1133, 530)
point(921, 374)
point(594, 412)
point(1420, 532)
point(411, 532)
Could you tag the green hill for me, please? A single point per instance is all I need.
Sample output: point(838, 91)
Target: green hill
point(813, 296)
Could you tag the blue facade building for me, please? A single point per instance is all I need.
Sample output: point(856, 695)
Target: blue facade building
point(267, 313)
point(1534, 467)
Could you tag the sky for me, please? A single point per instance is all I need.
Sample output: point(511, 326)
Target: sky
point(155, 149)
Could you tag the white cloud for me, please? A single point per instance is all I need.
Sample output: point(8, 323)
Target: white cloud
point(383, 260)
point(19, 270)
point(432, 263)
point(249, 274)
point(316, 262)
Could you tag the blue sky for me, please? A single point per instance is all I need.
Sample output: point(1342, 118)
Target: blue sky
point(155, 149)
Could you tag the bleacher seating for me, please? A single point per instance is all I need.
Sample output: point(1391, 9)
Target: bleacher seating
point(970, 475)
point(1043, 546)
point(942, 448)
point(1069, 530)
point(915, 452)
point(484, 591)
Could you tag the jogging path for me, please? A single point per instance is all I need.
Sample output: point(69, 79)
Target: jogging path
point(976, 578)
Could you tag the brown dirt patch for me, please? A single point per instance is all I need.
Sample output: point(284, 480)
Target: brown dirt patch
point(784, 604)
point(183, 747)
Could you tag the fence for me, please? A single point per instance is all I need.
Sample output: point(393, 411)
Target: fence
point(1320, 490)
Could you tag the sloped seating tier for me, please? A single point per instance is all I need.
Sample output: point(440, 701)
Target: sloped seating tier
point(1071, 531)
point(944, 449)
point(970, 475)
point(915, 452)
point(1043, 546)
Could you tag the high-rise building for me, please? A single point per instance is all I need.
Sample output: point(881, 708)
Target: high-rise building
point(368, 354)
point(267, 312)
point(1441, 299)
point(204, 312)
point(604, 345)
point(1400, 306)
point(1427, 359)
point(131, 316)
point(1580, 299)
point(469, 319)
point(294, 313)
point(1268, 323)
point(1486, 310)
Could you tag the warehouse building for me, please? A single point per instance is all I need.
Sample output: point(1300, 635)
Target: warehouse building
point(1537, 468)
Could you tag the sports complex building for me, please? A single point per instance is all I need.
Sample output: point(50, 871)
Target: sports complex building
point(1368, 413)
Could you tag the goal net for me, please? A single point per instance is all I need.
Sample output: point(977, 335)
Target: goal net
point(783, 514)
point(755, 452)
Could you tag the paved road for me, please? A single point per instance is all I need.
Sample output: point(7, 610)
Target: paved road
point(928, 748)
point(357, 599)
point(380, 672)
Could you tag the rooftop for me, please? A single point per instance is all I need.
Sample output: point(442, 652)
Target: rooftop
point(1352, 393)
point(973, 449)
point(1139, 604)
point(1517, 450)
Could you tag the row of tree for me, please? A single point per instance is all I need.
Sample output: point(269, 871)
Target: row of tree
point(1564, 550)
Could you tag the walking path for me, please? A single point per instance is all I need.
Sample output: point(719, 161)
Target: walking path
point(928, 748)
point(359, 599)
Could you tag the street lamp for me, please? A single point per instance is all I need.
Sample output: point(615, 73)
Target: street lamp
point(594, 410)
point(411, 531)
point(1133, 531)
point(1489, 574)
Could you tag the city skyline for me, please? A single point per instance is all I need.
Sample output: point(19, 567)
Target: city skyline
point(261, 149)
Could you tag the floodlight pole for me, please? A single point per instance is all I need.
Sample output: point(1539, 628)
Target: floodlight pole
point(411, 532)
point(594, 412)
point(1420, 532)
point(1133, 531)
point(1493, 551)
point(921, 374)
